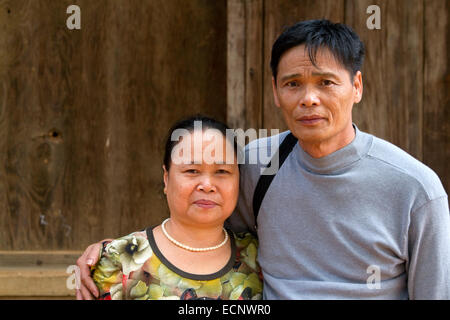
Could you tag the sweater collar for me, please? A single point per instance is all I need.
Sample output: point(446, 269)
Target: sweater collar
point(339, 160)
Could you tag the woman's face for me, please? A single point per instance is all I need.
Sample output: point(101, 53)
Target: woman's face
point(205, 191)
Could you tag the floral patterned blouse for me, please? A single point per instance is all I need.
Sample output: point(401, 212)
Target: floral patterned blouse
point(132, 267)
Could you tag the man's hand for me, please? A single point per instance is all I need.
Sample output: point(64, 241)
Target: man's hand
point(88, 290)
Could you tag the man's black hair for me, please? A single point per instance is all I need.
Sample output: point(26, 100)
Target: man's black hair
point(343, 43)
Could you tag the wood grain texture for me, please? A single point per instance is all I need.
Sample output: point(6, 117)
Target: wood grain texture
point(236, 48)
point(245, 64)
point(84, 113)
point(254, 70)
point(31, 282)
point(436, 122)
point(392, 104)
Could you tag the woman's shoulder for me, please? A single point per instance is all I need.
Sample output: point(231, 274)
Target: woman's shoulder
point(121, 261)
point(130, 251)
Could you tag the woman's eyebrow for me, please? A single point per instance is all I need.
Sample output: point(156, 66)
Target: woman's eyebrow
point(291, 76)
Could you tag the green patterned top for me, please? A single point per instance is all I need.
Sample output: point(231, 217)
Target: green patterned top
point(132, 267)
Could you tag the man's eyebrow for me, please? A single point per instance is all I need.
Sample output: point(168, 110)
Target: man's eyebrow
point(324, 74)
point(314, 74)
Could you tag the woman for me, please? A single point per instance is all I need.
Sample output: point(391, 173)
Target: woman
point(190, 255)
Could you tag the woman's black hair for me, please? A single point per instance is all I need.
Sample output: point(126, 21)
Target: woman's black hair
point(343, 43)
point(189, 125)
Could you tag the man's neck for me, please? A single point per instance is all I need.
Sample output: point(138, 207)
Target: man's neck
point(323, 148)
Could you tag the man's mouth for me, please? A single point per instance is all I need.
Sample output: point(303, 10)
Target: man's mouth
point(310, 120)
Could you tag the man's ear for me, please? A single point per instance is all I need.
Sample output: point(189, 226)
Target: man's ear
point(166, 178)
point(358, 86)
point(275, 94)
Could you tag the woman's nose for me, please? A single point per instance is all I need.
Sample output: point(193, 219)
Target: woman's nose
point(206, 185)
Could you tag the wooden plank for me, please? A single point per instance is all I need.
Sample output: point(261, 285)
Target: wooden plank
point(254, 64)
point(277, 16)
point(236, 48)
point(245, 58)
point(392, 103)
point(38, 259)
point(436, 128)
point(36, 90)
point(26, 282)
point(36, 274)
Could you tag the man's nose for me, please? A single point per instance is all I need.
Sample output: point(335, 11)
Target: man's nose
point(309, 98)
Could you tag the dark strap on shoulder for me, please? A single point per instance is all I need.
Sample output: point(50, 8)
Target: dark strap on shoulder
point(266, 179)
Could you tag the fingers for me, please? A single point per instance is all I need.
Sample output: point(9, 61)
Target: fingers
point(88, 289)
point(84, 293)
point(79, 295)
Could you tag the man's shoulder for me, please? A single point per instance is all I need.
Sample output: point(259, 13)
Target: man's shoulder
point(266, 142)
point(398, 162)
point(258, 154)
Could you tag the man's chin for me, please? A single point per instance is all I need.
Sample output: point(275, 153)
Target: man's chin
point(309, 134)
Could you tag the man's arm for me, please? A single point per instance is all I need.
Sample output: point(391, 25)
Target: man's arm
point(429, 251)
point(242, 219)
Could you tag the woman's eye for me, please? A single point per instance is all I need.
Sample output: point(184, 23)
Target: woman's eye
point(191, 171)
point(222, 171)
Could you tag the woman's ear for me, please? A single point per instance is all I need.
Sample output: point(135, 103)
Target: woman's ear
point(166, 178)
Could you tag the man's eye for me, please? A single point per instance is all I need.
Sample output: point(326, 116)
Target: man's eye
point(191, 171)
point(223, 171)
point(327, 83)
point(292, 84)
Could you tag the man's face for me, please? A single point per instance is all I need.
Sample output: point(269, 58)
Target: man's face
point(317, 102)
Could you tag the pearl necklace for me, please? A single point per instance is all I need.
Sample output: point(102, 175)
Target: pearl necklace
point(179, 244)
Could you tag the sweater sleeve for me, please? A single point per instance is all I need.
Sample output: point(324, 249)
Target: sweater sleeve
point(429, 251)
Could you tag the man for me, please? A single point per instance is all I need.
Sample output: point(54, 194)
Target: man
point(348, 215)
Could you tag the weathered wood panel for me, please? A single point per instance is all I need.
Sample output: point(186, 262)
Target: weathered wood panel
point(436, 127)
point(37, 274)
point(392, 104)
point(277, 16)
point(245, 63)
point(236, 45)
point(84, 113)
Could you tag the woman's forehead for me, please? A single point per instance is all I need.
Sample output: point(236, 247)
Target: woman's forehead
point(204, 146)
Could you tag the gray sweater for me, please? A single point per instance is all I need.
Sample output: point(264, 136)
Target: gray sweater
point(365, 222)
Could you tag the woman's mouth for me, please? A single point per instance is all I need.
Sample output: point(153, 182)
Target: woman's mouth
point(207, 204)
